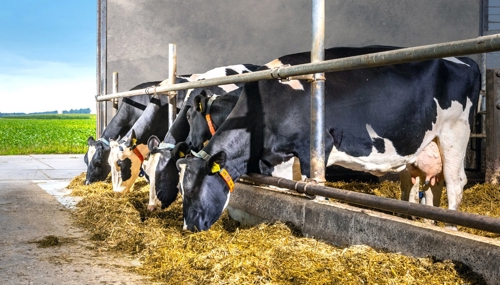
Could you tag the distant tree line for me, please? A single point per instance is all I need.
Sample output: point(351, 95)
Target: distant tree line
point(72, 111)
point(77, 111)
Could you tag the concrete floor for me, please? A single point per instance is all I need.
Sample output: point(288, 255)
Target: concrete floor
point(41, 167)
point(34, 205)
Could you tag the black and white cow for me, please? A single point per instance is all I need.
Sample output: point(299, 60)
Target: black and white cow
point(377, 120)
point(133, 148)
point(127, 114)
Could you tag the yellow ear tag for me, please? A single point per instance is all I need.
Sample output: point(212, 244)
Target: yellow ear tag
point(134, 141)
point(199, 106)
point(181, 154)
point(215, 167)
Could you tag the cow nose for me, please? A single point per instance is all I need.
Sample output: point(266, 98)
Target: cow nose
point(87, 182)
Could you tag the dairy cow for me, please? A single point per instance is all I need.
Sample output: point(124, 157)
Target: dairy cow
point(128, 113)
point(133, 147)
point(377, 120)
point(97, 153)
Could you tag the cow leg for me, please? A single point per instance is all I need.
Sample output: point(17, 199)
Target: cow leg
point(297, 174)
point(433, 193)
point(406, 185)
point(453, 145)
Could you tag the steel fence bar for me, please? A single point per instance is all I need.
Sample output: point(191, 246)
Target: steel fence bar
point(449, 49)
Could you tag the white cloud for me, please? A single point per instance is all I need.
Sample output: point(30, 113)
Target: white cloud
point(37, 86)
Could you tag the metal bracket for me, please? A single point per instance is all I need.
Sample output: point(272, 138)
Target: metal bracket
point(308, 77)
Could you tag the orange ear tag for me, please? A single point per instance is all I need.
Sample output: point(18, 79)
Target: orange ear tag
point(210, 123)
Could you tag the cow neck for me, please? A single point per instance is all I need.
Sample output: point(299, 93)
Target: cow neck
point(148, 124)
point(236, 159)
point(126, 116)
point(180, 128)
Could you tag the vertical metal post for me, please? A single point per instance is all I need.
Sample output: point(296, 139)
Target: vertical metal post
point(317, 147)
point(172, 74)
point(101, 107)
point(115, 90)
point(493, 126)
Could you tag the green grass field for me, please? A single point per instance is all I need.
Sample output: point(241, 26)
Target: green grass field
point(46, 134)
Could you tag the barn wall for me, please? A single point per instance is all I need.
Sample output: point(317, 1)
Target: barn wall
point(216, 33)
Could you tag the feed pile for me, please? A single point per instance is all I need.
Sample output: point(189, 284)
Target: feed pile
point(232, 254)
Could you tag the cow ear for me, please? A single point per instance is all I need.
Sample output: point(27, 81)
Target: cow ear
point(180, 162)
point(131, 139)
point(90, 140)
point(200, 103)
point(216, 162)
point(180, 150)
point(153, 142)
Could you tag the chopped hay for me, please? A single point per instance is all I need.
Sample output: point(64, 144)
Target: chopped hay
point(231, 254)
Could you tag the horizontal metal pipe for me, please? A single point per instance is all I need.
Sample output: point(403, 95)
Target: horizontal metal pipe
point(457, 48)
point(386, 204)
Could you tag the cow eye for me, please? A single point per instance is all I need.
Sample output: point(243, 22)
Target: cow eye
point(188, 116)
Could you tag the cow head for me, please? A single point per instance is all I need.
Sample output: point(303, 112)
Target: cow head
point(96, 159)
point(206, 188)
point(126, 158)
point(162, 170)
point(199, 124)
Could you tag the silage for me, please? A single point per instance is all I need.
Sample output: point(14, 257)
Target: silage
point(231, 254)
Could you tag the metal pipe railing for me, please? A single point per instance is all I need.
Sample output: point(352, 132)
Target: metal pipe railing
point(457, 48)
point(317, 145)
point(115, 90)
point(172, 73)
point(102, 112)
point(475, 221)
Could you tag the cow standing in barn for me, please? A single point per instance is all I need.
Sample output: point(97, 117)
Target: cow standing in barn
point(377, 120)
point(128, 157)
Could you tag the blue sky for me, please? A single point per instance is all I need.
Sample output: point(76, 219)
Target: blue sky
point(47, 55)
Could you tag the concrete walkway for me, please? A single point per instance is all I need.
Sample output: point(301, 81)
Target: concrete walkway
point(33, 206)
point(41, 167)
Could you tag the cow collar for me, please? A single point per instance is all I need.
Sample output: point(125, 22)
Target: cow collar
point(139, 154)
point(217, 169)
point(167, 146)
point(104, 141)
point(208, 117)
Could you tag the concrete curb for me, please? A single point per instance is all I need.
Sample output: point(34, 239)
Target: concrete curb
point(344, 225)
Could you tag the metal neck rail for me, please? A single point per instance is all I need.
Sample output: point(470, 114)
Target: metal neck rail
point(475, 221)
point(456, 48)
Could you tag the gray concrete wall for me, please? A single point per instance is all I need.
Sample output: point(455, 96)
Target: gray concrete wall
point(216, 33)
